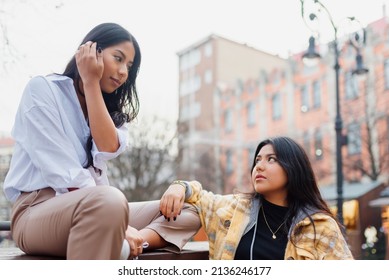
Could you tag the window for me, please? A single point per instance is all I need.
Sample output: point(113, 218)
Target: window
point(351, 85)
point(195, 57)
point(190, 84)
point(318, 145)
point(184, 113)
point(276, 106)
point(208, 49)
point(387, 131)
point(191, 111)
point(304, 99)
point(316, 94)
point(264, 76)
point(189, 59)
point(276, 79)
point(250, 114)
point(307, 143)
point(386, 73)
point(195, 84)
point(228, 120)
point(208, 76)
point(354, 141)
point(239, 87)
point(250, 87)
point(184, 62)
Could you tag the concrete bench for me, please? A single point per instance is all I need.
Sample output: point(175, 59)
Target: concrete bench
point(197, 250)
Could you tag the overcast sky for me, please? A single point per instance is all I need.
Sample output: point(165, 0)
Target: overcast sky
point(44, 34)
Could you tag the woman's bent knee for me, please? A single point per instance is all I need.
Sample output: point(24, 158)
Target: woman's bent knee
point(108, 205)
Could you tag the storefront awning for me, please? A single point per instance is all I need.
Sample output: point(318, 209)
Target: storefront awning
point(350, 190)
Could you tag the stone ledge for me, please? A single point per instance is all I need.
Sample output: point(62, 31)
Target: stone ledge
point(197, 250)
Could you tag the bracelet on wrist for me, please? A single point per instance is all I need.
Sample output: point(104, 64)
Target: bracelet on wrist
point(179, 182)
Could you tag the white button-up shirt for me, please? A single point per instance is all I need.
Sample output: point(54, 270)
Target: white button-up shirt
point(51, 135)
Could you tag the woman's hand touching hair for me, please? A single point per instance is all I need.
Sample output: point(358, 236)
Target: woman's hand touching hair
point(89, 62)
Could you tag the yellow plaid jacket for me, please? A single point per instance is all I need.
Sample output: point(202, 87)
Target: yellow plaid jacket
point(226, 217)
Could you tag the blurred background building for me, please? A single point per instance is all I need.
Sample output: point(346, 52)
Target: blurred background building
point(6, 149)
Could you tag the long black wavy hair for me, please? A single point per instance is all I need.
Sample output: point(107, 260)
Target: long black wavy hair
point(302, 188)
point(124, 105)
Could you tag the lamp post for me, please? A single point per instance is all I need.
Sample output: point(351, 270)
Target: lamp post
point(312, 54)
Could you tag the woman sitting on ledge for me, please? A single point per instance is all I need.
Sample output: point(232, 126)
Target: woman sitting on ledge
point(283, 217)
point(67, 127)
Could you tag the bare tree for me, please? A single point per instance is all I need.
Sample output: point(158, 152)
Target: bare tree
point(147, 168)
point(9, 53)
point(364, 154)
point(211, 172)
point(370, 161)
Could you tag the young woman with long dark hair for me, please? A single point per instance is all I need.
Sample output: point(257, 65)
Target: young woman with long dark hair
point(284, 217)
point(66, 128)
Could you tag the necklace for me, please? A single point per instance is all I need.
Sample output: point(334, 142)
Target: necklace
point(273, 232)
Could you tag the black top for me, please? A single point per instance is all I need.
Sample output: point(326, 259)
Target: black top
point(265, 247)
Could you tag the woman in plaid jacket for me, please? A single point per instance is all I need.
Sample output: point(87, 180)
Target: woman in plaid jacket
point(284, 217)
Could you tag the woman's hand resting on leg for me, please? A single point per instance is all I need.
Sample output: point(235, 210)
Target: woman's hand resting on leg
point(135, 240)
point(172, 201)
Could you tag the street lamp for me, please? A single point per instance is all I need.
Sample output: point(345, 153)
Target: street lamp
point(312, 54)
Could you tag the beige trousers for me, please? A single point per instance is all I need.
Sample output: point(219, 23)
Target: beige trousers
point(90, 223)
